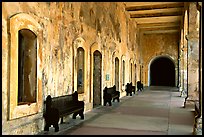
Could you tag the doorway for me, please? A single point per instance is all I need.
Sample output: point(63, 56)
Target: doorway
point(117, 73)
point(162, 72)
point(80, 70)
point(97, 65)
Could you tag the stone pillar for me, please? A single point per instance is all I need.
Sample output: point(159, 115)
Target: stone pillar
point(184, 53)
point(193, 55)
point(198, 119)
point(181, 64)
point(185, 75)
point(145, 82)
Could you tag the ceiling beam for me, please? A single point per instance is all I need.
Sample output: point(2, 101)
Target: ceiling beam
point(156, 11)
point(163, 24)
point(161, 28)
point(157, 19)
point(156, 15)
point(150, 7)
point(160, 31)
point(131, 4)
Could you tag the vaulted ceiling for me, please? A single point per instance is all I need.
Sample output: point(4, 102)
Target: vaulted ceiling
point(156, 17)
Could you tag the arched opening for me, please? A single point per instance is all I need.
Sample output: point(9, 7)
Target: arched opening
point(135, 75)
point(162, 72)
point(80, 70)
point(117, 73)
point(97, 66)
point(27, 66)
point(131, 72)
point(123, 73)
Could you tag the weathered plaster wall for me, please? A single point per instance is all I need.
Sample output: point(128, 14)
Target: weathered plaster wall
point(155, 45)
point(65, 27)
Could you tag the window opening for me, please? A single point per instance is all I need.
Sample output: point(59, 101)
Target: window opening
point(27, 66)
point(123, 72)
point(80, 70)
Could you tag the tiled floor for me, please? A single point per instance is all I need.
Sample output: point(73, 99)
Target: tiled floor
point(155, 111)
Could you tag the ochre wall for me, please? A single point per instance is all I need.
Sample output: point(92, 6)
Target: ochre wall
point(61, 28)
point(157, 45)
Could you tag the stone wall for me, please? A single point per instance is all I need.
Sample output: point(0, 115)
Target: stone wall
point(61, 28)
point(158, 45)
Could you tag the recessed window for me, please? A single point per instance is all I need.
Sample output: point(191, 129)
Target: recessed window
point(27, 66)
point(25, 80)
point(123, 72)
point(80, 70)
point(131, 72)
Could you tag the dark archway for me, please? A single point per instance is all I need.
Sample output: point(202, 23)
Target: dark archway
point(117, 73)
point(162, 72)
point(97, 67)
point(80, 70)
point(27, 66)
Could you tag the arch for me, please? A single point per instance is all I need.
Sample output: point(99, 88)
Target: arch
point(80, 70)
point(26, 22)
point(117, 81)
point(123, 58)
point(27, 64)
point(123, 70)
point(162, 71)
point(97, 82)
point(135, 73)
point(131, 70)
point(95, 48)
point(114, 56)
point(78, 43)
point(17, 22)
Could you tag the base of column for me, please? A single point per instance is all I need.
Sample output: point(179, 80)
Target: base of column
point(190, 104)
point(198, 126)
point(183, 94)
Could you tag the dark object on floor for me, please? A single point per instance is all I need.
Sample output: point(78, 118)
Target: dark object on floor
point(110, 94)
point(139, 86)
point(58, 107)
point(129, 89)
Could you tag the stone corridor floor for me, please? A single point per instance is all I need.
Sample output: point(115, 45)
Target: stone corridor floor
point(155, 111)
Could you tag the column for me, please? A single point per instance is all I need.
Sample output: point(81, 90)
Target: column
point(193, 54)
point(184, 53)
point(198, 118)
point(181, 64)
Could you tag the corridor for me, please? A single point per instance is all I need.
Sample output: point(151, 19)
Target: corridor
point(155, 111)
